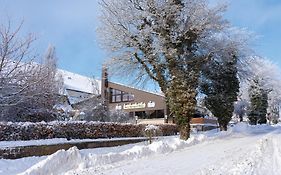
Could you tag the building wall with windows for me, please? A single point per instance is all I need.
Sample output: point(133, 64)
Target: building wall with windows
point(145, 105)
point(136, 102)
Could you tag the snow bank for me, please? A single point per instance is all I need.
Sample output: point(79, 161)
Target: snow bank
point(73, 159)
point(244, 128)
point(57, 163)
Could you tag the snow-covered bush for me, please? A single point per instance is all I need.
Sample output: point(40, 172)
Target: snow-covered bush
point(151, 131)
point(120, 117)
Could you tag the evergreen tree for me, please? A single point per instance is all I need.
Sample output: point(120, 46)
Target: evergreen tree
point(259, 103)
point(221, 87)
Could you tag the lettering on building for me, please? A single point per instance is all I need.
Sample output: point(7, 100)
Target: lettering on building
point(151, 104)
point(118, 107)
point(134, 105)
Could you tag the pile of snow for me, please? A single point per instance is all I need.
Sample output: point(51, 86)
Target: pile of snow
point(57, 163)
point(15, 166)
point(72, 159)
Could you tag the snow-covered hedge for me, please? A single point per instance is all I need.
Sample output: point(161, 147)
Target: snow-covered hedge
point(74, 130)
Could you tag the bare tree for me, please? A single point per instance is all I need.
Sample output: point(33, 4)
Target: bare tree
point(168, 41)
point(26, 88)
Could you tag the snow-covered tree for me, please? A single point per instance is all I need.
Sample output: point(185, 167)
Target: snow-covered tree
point(242, 105)
point(273, 113)
point(27, 89)
point(45, 93)
point(268, 76)
point(168, 41)
point(259, 103)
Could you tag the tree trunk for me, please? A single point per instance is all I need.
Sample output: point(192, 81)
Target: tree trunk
point(252, 120)
point(262, 120)
point(182, 99)
point(223, 126)
point(184, 131)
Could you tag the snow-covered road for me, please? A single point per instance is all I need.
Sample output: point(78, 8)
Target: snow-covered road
point(243, 150)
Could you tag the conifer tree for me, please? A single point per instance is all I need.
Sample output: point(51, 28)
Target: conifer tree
point(259, 103)
point(221, 88)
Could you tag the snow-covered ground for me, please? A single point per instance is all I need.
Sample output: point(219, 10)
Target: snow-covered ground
point(241, 150)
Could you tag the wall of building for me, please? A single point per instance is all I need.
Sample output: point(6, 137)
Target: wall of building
point(142, 100)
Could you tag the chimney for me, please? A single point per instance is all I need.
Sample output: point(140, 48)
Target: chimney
point(104, 87)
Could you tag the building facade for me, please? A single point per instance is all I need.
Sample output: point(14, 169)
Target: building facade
point(146, 107)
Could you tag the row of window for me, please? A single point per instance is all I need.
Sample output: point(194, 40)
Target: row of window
point(120, 96)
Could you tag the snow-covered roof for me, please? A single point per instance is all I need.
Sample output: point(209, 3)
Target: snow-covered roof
point(81, 83)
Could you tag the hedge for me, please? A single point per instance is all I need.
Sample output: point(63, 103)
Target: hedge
point(75, 130)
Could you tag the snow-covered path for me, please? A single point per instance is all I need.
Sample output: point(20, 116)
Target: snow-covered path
point(253, 156)
point(243, 150)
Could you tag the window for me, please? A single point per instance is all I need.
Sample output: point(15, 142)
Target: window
point(127, 97)
point(120, 96)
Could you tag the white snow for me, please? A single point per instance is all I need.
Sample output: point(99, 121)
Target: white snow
point(151, 128)
point(81, 83)
point(11, 167)
point(241, 150)
point(7, 167)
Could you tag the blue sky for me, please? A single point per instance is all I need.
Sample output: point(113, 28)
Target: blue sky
point(70, 26)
